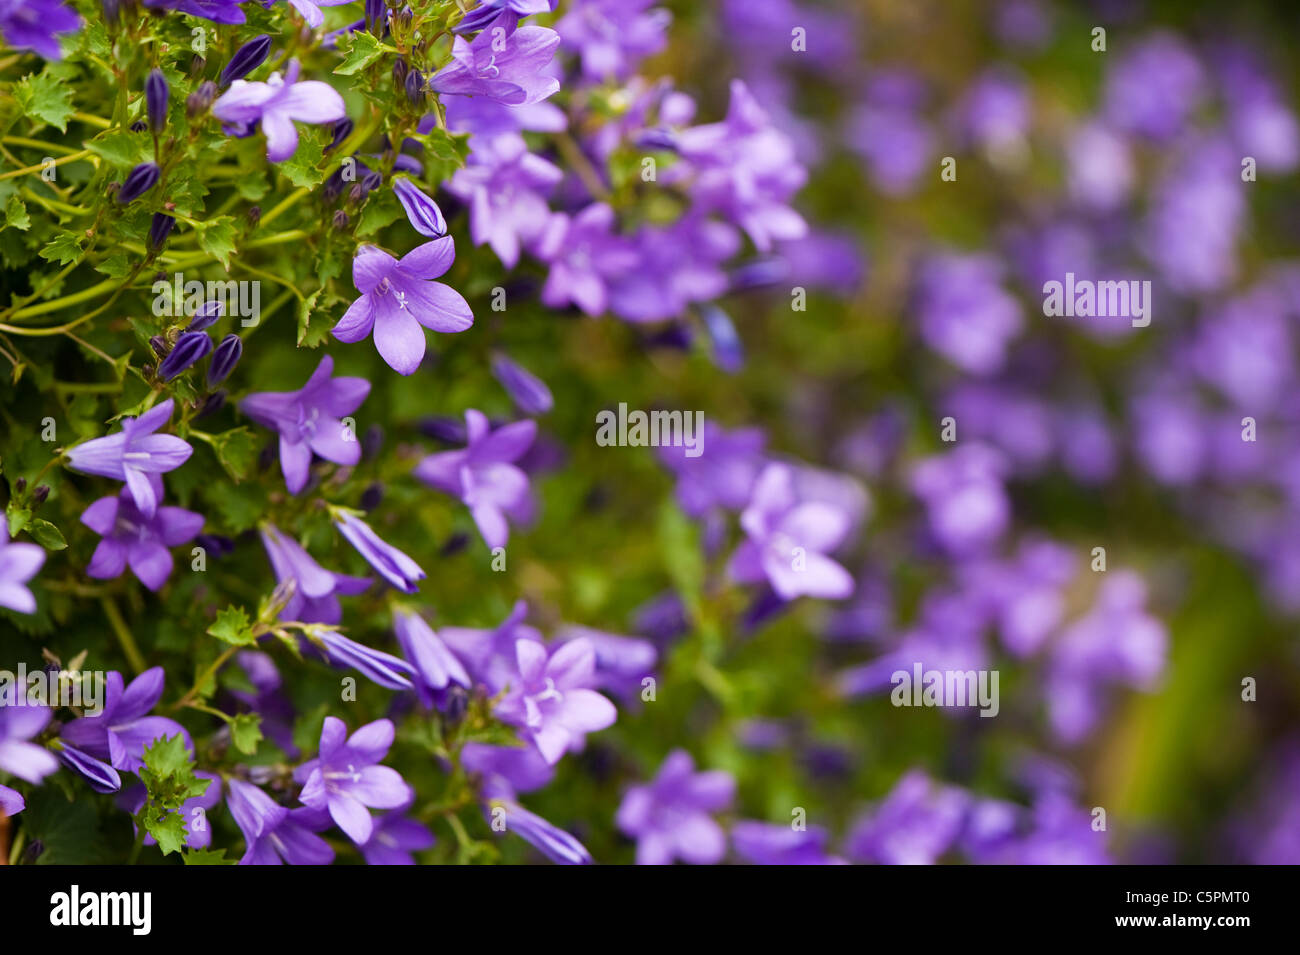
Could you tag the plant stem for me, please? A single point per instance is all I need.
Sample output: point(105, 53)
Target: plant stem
point(123, 634)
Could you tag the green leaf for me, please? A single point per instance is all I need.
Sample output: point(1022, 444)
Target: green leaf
point(444, 153)
point(121, 148)
point(64, 249)
point(207, 857)
point(236, 450)
point(361, 48)
point(168, 828)
point(46, 534)
point(217, 238)
point(381, 209)
point(303, 168)
point(16, 214)
point(116, 266)
point(46, 98)
point(17, 517)
point(232, 626)
point(166, 757)
point(246, 732)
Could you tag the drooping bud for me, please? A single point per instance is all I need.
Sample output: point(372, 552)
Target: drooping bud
point(224, 359)
point(206, 315)
point(138, 181)
point(526, 390)
point(340, 220)
point(341, 131)
point(197, 103)
point(189, 348)
point(246, 59)
point(155, 97)
point(40, 494)
point(254, 215)
point(160, 227)
point(425, 216)
point(415, 87)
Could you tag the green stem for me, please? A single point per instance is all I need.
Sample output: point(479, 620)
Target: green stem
point(124, 636)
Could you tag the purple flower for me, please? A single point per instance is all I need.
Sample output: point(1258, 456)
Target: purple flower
point(32, 25)
point(19, 563)
point(669, 816)
point(489, 10)
point(553, 842)
point(509, 69)
point(1100, 167)
point(484, 475)
point(308, 420)
point(965, 314)
point(218, 11)
point(765, 843)
point(746, 169)
point(612, 36)
point(102, 777)
point(622, 663)
point(914, 825)
point(526, 390)
point(788, 540)
point(392, 564)
point(314, 598)
point(276, 835)
point(276, 104)
point(190, 348)
point(380, 668)
point(968, 505)
point(584, 253)
point(122, 731)
point(30, 762)
point(131, 538)
point(137, 182)
point(421, 211)
point(995, 111)
point(134, 455)
point(156, 95)
point(246, 59)
point(394, 837)
point(224, 359)
point(723, 476)
point(346, 780)
point(398, 296)
point(489, 655)
point(311, 12)
point(504, 186)
point(1155, 88)
point(550, 699)
point(675, 266)
point(436, 667)
point(888, 130)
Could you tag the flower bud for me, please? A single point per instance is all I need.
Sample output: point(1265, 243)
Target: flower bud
point(206, 316)
point(376, 17)
point(20, 485)
point(415, 87)
point(246, 59)
point(400, 69)
point(40, 495)
point(160, 227)
point(526, 390)
point(213, 403)
point(341, 131)
point(138, 181)
point(189, 348)
point(224, 359)
point(159, 345)
point(340, 220)
point(156, 95)
point(425, 216)
point(139, 126)
point(254, 215)
point(197, 103)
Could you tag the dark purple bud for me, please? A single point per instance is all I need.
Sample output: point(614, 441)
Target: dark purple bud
point(246, 59)
point(189, 348)
point(20, 485)
point(376, 17)
point(526, 390)
point(664, 139)
point(372, 180)
point(333, 187)
point(197, 103)
point(415, 87)
point(139, 126)
point(457, 704)
point(405, 17)
point(40, 495)
point(356, 193)
point(159, 345)
point(341, 131)
point(206, 316)
point(224, 359)
point(422, 212)
point(197, 65)
point(35, 849)
point(138, 181)
point(400, 69)
point(160, 227)
point(455, 544)
point(372, 496)
point(212, 403)
point(446, 430)
point(155, 99)
point(340, 219)
point(254, 215)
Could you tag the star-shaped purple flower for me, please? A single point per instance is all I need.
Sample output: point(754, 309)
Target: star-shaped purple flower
point(276, 104)
point(132, 538)
point(346, 780)
point(276, 835)
point(134, 454)
point(32, 25)
point(123, 730)
point(398, 296)
point(315, 589)
point(509, 68)
point(308, 421)
point(30, 762)
point(484, 476)
point(551, 699)
point(669, 816)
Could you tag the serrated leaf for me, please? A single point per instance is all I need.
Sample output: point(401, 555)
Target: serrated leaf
point(122, 149)
point(64, 249)
point(46, 534)
point(246, 732)
point(46, 98)
point(232, 626)
point(207, 857)
point(381, 209)
point(236, 450)
point(303, 168)
point(361, 49)
point(217, 238)
point(16, 214)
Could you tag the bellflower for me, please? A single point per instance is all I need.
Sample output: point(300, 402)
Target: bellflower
point(394, 838)
point(276, 835)
point(392, 564)
point(675, 266)
point(965, 314)
point(246, 59)
point(553, 842)
point(137, 182)
point(914, 825)
point(101, 777)
point(218, 11)
point(484, 475)
point(514, 75)
point(315, 589)
point(122, 731)
point(190, 348)
point(32, 25)
point(398, 296)
point(526, 390)
point(622, 662)
point(19, 563)
point(489, 655)
point(584, 253)
point(30, 762)
point(721, 477)
point(132, 539)
point(436, 667)
point(613, 36)
point(346, 781)
point(276, 104)
point(421, 211)
point(134, 454)
point(968, 505)
point(788, 540)
point(669, 817)
point(308, 420)
point(551, 701)
point(382, 669)
point(770, 844)
point(311, 9)
point(489, 10)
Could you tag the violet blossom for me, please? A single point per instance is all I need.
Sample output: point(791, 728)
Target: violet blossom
point(315, 590)
point(123, 730)
point(346, 780)
point(276, 835)
point(551, 699)
point(670, 816)
point(132, 538)
point(508, 69)
point(134, 454)
point(276, 104)
point(19, 562)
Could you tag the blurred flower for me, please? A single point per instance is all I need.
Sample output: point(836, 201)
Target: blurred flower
point(669, 817)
